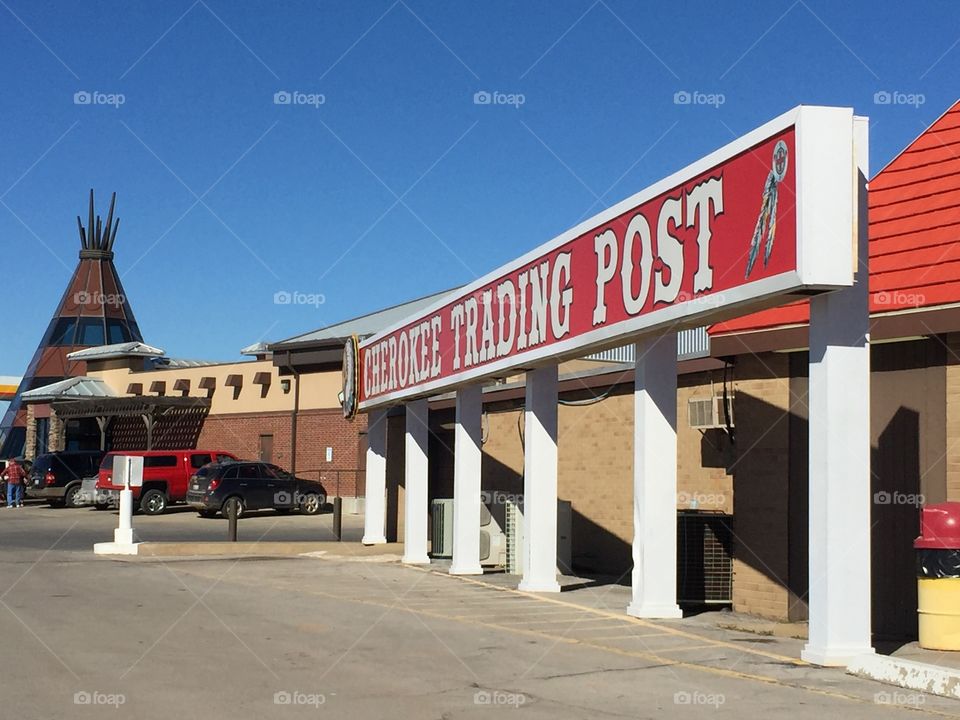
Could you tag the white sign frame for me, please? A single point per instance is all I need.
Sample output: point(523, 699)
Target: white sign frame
point(121, 465)
point(826, 176)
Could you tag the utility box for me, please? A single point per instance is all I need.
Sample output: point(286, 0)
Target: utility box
point(515, 534)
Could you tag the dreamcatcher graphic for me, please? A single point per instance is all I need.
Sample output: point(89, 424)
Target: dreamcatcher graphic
point(767, 222)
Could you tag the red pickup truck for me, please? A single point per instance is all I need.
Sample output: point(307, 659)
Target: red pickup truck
point(165, 477)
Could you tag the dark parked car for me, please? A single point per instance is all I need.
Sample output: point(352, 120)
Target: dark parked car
point(255, 486)
point(56, 477)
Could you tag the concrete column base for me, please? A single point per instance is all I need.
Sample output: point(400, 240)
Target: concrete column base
point(663, 612)
point(116, 548)
point(424, 560)
point(833, 656)
point(467, 570)
point(381, 540)
point(124, 536)
point(539, 586)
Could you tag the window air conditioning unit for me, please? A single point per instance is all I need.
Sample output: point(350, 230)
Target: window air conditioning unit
point(706, 413)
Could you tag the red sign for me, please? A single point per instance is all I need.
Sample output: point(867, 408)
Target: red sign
point(725, 235)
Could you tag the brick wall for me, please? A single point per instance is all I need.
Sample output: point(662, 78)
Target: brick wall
point(760, 474)
point(316, 430)
point(595, 469)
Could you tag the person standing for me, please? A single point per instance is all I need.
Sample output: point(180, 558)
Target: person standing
point(15, 476)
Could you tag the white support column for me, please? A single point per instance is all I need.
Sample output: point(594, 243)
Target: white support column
point(540, 482)
point(467, 454)
point(840, 501)
point(415, 485)
point(655, 479)
point(376, 473)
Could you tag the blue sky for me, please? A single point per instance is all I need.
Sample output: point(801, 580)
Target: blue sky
point(383, 179)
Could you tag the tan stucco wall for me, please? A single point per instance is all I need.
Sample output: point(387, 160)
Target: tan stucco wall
point(953, 417)
point(317, 390)
point(595, 469)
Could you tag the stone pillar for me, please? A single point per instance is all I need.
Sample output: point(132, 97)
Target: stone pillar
point(840, 500)
point(540, 482)
point(655, 479)
point(57, 439)
point(30, 446)
point(415, 521)
point(467, 456)
point(376, 473)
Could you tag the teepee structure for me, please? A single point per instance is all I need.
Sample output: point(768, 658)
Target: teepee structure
point(93, 311)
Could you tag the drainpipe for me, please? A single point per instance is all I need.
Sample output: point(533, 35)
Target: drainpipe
point(293, 416)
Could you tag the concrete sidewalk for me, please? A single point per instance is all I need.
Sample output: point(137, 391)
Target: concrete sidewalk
point(331, 548)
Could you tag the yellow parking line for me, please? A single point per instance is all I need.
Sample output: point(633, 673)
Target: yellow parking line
point(712, 646)
point(626, 637)
point(572, 620)
point(632, 620)
point(516, 615)
point(630, 636)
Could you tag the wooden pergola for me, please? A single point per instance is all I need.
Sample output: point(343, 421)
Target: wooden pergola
point(141, 423)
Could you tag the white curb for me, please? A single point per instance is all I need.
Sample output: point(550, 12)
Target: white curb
point(933, 679)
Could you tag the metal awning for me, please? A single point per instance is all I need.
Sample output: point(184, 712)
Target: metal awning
point(79, 387)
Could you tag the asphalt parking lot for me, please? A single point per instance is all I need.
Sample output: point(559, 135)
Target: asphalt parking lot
point(346, 636)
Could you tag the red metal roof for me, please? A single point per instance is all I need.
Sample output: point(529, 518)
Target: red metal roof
point(914, 221)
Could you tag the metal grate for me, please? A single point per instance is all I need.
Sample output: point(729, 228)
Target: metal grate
point(692, 343)
point(700, 412)
point(704, 559)
point(441, 511)
point(514, 538)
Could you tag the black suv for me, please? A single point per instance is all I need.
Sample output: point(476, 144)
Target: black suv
point(255, 486)
point(56, 477)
